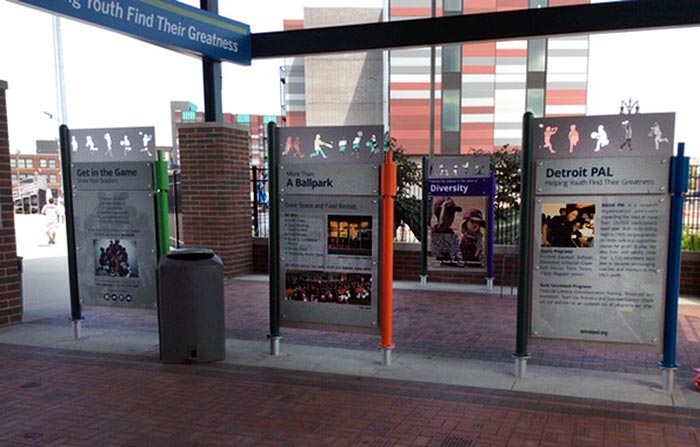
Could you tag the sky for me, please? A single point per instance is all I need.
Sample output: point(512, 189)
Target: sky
point(117, 81)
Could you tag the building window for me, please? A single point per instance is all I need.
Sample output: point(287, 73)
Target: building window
point(52, 178)
point(52, 164)
point(30, 163)
point(451, 110)
point(13, 162)
point(42, 163)
point(14, 178)
point(243, 119)
point(22, 163)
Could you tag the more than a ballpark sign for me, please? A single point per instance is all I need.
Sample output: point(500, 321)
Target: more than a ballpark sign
point(162, 22)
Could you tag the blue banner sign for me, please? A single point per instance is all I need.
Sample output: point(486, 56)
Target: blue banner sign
point(460, 187)
point(163, 22)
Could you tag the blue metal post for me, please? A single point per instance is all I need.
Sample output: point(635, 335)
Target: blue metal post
point(680, 169)
point(490, 254)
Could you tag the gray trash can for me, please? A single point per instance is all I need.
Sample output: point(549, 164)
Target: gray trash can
point(191, 306)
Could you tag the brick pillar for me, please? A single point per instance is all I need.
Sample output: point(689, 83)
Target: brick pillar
point(10, 276)
point(216, 204)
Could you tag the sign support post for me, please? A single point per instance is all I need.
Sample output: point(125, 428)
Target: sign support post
point(388, 191)
point(274, 248)
point(490, 254)
point(160, 171)
point(76, 315)
point(425, 221)
point(523, 318)
point(680, 167)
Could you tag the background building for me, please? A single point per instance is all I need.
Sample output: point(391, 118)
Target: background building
point(23, 168)
point(481, 89)
point(256, 125)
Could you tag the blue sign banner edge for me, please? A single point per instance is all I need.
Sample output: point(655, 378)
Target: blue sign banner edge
point(232, 38)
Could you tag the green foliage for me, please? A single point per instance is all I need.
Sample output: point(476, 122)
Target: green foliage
point(407, 208)
point(505, 163)
point(690, 241)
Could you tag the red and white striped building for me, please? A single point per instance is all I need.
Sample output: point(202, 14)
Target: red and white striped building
point(481, 89)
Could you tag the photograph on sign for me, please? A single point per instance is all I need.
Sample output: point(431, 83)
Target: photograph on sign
point(116, 258)
point(116, 241)
point(328, 287)
point(568, 225)
point(604, 136)
point(611, 290)
point(349, 235)
point(458, 232)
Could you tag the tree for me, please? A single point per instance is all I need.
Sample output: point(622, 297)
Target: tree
point(407, 207)
point(505, 163)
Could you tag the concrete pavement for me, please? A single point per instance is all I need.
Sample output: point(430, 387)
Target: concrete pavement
point(47, 305)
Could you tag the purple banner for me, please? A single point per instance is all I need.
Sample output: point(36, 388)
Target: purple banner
point(460, 187)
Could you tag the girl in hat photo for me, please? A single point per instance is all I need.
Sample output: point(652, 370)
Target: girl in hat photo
point(472, 243)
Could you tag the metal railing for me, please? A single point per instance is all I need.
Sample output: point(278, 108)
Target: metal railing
point(507, 221)
point(691, 210)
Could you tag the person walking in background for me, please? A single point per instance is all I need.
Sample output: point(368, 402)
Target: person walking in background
point(51, 211)
point(61, 211)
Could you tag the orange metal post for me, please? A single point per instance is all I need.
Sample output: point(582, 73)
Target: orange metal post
point(388, 191)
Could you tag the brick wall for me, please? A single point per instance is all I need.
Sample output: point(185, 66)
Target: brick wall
point(216, 212)
point(10, 276)
point(690, 273)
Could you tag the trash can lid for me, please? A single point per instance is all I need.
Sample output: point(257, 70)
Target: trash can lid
point(191, 254)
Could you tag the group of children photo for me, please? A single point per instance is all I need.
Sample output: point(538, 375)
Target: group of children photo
point(457, 234)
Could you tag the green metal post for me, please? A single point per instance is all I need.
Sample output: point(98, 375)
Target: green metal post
point(526, 205)
point(162, 185)
point(274, 248)
point(425, 221)
point(76, 314)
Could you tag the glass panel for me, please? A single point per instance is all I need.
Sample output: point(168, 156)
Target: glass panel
point(452, 59)
point(452, 5)
point(536, 60)
point(451, 106)
point(535, 101)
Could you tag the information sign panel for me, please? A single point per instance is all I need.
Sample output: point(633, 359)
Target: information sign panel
point(114, 216)
point(461, 190)
point(329, 226)
point(600, 239)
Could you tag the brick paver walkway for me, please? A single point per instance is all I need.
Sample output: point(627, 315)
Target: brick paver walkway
point(52, 397)
point(444, 324)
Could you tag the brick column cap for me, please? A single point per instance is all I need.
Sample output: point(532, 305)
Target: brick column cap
point(212, 125)
point(3, 85)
